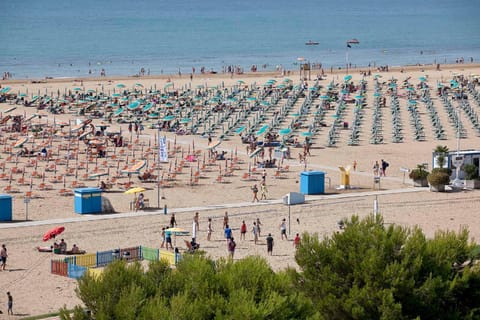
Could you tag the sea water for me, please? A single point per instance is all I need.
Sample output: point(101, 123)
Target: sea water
point(58, 38)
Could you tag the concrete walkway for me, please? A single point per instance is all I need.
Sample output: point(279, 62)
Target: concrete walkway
point(96, 217)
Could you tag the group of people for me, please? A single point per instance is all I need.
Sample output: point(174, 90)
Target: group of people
point(228, 233)
point(380, 169)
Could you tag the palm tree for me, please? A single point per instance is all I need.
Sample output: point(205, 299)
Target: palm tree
point(440, 153)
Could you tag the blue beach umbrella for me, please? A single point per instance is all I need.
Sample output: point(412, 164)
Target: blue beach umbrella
point(347, 78)
point(324, 97)
point(265, 103)
point(185, 120)
point(307, 134)
point(377, 94)
point(240, 130)
point(168, 118)
point(120, 85)
point(116, 95)
point(284, 132)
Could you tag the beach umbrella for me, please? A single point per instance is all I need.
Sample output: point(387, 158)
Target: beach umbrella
point(76, 89)
point(52, 233)
point(214, 144)
point(185, 120)
point(265, 103)
point(135, 190)
point(240, 81)
point(139, 85)
point(307, 134)
point(423, 79)
point(240, 130)
point(134, 105)
point(284, 132)
point(377, 94)
point(120, 86)
point(324, 97)
point(168, 118)
point(347, 78)
point(168, 85)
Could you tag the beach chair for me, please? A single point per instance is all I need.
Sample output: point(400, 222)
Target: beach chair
point(10, 189)
point(65, 192)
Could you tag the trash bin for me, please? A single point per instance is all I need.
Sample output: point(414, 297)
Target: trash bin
point(88, 200)
point(5, 207)
point(312, 182)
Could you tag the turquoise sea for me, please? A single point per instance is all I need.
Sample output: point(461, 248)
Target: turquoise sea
point(68, 38)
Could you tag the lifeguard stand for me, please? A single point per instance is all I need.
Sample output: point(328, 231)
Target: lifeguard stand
point(345, 177)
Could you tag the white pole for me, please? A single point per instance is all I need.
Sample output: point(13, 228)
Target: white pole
point(375, 208)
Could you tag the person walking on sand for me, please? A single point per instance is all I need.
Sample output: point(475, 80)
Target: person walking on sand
point(283, 229)
point(384, 168)
point(163, 237)
point(258, 227)
point(10, 304)
point(255, 193)
point(255, 232)
point(195, 220)
point(210, 229)
point(243, 230)
point(3, 256)
point(270, 244)
point(231, 247)
point(376, 168)
point(225, 220)
point(228, 233)
point(296, 241)
point(173, 221)
point(263, 191)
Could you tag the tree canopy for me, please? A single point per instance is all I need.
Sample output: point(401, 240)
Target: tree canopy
point(367, 271)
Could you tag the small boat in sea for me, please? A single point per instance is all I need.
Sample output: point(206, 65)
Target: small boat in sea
point(311, 43)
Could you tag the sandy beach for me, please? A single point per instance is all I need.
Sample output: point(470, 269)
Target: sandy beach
point(211, 186)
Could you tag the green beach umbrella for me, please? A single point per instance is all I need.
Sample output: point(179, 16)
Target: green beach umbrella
point(307, 134)
point(120, 86)
point(347, 78)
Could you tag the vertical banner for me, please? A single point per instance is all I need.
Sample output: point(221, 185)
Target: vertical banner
point(163, 154)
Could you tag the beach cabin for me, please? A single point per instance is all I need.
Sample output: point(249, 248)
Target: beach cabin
point(468, 156)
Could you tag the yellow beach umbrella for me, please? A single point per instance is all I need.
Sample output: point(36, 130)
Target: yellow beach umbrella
point(135, 190)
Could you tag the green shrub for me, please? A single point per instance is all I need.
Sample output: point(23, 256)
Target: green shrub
point(438, 176)
point(418, 173)
point(471, 171)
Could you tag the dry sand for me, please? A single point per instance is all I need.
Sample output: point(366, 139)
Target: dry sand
point(36, 291)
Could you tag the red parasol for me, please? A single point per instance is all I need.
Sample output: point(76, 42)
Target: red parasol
point(52, 233)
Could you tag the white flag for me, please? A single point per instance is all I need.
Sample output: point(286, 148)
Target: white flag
point(163, 154)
